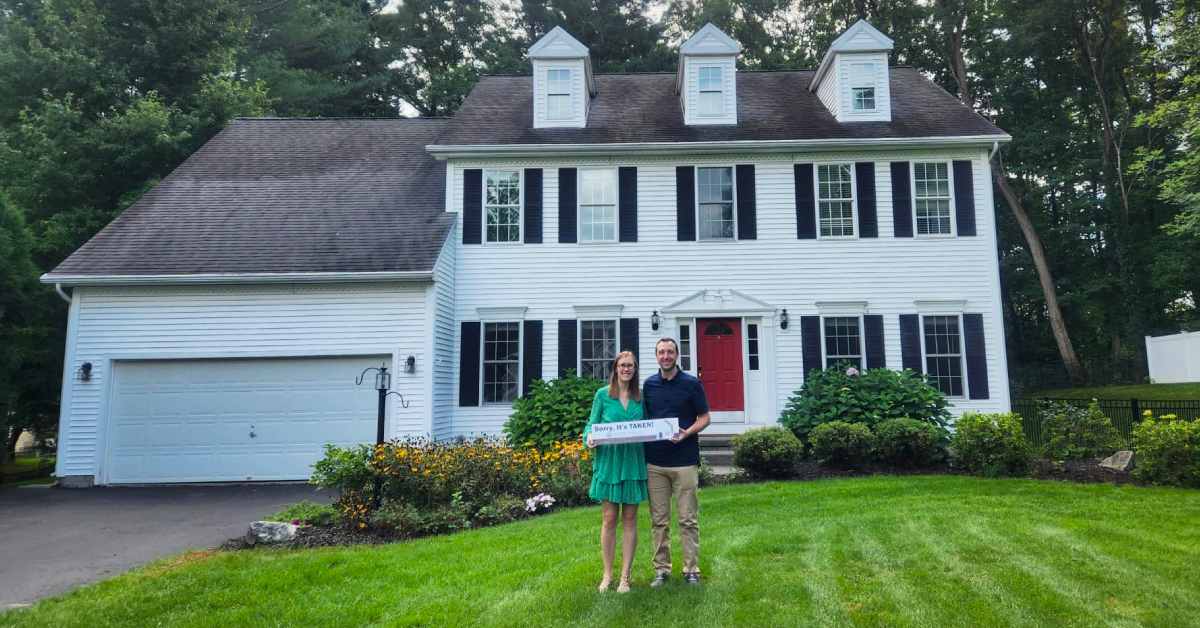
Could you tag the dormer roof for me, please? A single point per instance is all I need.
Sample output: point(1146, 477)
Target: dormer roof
point(861, 37)
point(709, 40)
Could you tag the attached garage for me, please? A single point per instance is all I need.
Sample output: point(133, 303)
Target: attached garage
point(234, 420)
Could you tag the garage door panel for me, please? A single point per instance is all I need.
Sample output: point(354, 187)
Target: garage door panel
point(193, 420)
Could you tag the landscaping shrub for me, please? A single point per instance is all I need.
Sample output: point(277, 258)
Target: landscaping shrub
point(770, 452)
point(1072, 433)
point(1167, 450)
point(990, 444)
point(553, 411)
point(344, 468)
point(869, 398)
point(306, 512)
point(841, 443)
point(503, 509)
point(910, 443)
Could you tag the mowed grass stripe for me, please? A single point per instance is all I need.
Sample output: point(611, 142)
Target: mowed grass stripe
point(911, 551)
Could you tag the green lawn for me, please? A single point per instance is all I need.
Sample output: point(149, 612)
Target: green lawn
point(1141, 391)
point(912, 551)
point(25, 467)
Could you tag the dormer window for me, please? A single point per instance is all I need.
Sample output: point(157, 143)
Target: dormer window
point(712, 97)
point(864, 99)
point(558, 94)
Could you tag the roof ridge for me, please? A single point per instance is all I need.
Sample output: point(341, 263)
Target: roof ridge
point(342, 118)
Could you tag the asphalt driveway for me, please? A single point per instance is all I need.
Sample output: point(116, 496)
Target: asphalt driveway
point(52, 540)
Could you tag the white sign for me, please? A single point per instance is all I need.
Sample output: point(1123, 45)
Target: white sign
point(634, 431)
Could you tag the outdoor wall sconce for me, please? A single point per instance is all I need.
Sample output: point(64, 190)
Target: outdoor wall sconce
point(85, 372)
point(410, 364)
point(783, 320)
point(654, 320)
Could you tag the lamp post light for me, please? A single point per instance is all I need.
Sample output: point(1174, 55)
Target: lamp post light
point(383, 386)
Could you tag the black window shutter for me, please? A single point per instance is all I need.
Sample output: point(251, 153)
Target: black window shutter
point(468, 365)
point(810, 343)
point(868, 224)
point(747, 222)
point(567, 351)
point(901, 200)
point(472, 206)
point(566, 205)
point(910, 342)
point(685, 203)
point(964, 200)
point(806, 202)
point(627, 203)
point(629, 336)
point(532, 366)
point(977, 376)
point(533, 205)
point(873, 325)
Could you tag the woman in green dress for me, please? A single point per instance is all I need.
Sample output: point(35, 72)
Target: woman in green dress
point(618, 471)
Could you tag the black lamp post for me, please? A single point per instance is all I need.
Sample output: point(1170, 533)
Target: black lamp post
point(383, 385)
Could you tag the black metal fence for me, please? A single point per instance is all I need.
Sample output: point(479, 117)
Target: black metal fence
point(1124, 413)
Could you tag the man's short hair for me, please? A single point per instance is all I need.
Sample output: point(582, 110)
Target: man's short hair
point(666, 339)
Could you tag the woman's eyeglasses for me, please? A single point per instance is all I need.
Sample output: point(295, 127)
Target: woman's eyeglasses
point(626, 367)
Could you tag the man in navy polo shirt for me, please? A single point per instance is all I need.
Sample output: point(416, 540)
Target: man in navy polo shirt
point(673, 466)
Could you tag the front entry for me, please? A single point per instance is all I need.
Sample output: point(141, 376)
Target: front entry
point(719, 363)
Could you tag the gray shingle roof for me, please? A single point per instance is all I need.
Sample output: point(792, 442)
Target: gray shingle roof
point(645, 108)
point(286, 196)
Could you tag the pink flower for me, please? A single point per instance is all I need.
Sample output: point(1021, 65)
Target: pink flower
point(852, 371)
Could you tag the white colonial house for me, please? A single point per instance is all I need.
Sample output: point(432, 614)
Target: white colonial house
point(773, 222)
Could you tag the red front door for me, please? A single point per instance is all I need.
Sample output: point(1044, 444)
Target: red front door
point(719, 358)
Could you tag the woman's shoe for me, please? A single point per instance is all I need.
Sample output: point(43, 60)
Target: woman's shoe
point(623, 586)
point(604, 584)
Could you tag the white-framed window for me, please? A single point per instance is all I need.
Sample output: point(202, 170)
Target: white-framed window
point(501, 379)
point(502, 206)
point(941, 344)
point(933, 204)
point(685, 346)
point(843, 337)
point(597, 205)
point(597, 348)
point(714, 197)
point(752, 345)
point(712, 95)
point(558, 94)
point(863, 98)
point(835, 200)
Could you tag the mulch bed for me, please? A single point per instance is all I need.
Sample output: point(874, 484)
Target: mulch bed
point(318, 536)
point(1082, 471)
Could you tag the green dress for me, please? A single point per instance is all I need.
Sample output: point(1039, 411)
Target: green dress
point(618, 471)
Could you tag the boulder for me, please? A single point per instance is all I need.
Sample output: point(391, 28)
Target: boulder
point(270, 532)
point(1120, 461)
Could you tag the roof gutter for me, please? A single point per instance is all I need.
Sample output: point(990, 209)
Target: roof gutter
point(231, 278)
point(693, 148)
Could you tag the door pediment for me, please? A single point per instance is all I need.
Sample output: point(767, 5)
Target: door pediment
point(718, 301)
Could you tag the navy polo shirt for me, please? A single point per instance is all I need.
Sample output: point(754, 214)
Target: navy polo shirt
point(681, 396)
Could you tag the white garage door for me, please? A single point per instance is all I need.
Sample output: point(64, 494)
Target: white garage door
point(234, 420)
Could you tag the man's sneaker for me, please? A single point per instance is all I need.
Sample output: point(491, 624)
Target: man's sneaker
point(691, 578)
point(660, 579)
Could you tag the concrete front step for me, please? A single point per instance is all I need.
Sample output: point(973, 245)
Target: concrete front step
point(717, 456)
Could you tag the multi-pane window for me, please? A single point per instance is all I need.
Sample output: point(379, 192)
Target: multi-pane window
point(835, 200)
point(597, 348)
point(712, 100)
point(597, 205)
point(752, 345)
point(501, 361)
point(685, 347)
point(503, 206)
point(931, 197)
point(943, 354)
point(715, 187)
point(864, 98)
point(843, 342)
point(558, 94)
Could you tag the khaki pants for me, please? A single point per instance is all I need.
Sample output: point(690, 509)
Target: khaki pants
point(680, 483)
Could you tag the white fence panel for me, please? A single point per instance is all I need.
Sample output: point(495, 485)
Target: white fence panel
point(1174, 359)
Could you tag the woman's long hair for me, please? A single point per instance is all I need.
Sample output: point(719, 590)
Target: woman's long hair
point(614, 385)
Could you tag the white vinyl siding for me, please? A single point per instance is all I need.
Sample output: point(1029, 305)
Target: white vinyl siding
point(597, 205)
point(445, 380)
point(501, 362)
point(835, 200)
point(502, 206)
point(933, 203)
point(704, 101)
point(714, 197)
point(597, 348)
point(550, 109)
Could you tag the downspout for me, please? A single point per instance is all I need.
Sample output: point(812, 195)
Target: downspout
point(995, 149)
point(64, 295)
